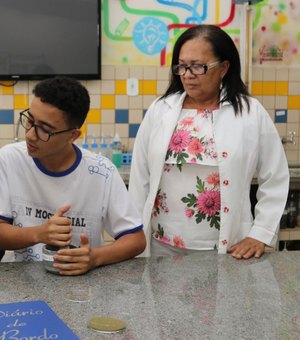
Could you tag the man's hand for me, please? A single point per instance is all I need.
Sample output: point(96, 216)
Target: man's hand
point(247, 248)
point(57, 230)
point(77, 261)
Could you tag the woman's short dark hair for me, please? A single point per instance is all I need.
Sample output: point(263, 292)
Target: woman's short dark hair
point(223, 48)
point(68, 95)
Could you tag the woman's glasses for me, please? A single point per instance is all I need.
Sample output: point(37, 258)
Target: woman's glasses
point(195, 69)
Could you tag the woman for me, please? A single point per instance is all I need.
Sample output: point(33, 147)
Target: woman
point(197, 151)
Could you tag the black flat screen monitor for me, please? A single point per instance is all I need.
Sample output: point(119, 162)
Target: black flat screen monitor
point(44, 38)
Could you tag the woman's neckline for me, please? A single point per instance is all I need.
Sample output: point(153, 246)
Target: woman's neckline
point(191, 105)
point(212, 108)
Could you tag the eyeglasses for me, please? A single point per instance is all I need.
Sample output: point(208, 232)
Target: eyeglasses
point(195, 69)
point(42, 134)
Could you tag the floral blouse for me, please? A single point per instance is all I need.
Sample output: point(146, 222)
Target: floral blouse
point(186, 212)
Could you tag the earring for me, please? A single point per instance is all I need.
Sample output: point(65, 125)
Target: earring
point(221, 84)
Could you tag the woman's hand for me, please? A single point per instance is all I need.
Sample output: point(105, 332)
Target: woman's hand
point(247, 248)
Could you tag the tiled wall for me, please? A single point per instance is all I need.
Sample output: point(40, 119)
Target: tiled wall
point(278, 89)
point(112, 110)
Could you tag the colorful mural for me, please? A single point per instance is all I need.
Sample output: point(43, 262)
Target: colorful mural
point(138, 32)
point(276, 32)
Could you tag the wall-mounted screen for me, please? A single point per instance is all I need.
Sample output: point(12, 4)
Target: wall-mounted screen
point(43, 38)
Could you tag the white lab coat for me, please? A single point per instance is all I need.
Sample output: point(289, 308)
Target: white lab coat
point(246, 145)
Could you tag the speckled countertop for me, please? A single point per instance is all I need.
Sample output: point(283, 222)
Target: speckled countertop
point(200, 296)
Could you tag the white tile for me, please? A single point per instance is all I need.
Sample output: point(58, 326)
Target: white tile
point(121, 102)
point(7, 131)
point(294, 74)
point(257, 74)
point(135, 116)
point(93, 130)
point(293, 116)
point(150, 72)
point(93, 86)
point(108, 87)
point(282, 74)
point(122, 130)
point(136, 102)
point(163, 73)
point(107, 116)
point(22, 87)
point(294, 88)
point(122, 72)
point(148, 100)
point(94, 101)
point(108, 130)
point(6, 101)
point(136, 72)
point(108, 72)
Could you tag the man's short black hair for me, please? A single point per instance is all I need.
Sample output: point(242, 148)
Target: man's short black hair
point(68, 95)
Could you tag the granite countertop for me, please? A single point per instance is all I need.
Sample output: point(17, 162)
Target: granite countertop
point(199, 296)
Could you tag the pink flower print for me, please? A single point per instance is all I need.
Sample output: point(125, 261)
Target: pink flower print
point(195, 147)
point(193, 160)
point(160, 203)
point(213, 179)
point(163, 202)
point(160, 235)
point(206, 113)
point(189, 213)
point(188, 121)
point(179, 140)
point(224, 154)
point(224, 242)
point(210, 150)
point(164, 239)
point(155, 210)
point(167, 167)
point(178, 242)
point(200, 111)
point(208, 202)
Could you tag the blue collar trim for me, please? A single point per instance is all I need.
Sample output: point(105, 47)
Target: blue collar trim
point(61, 173)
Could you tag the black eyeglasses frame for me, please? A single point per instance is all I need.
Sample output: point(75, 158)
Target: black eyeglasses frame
point(29, 119)
point(204, 67)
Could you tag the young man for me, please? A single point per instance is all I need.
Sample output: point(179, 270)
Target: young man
point(55, 193)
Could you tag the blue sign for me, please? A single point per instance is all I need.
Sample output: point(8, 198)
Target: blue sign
point(32, 320)
point(280, 116)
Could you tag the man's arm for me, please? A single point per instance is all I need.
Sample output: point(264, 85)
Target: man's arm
point(56, 231)
point(126, 247)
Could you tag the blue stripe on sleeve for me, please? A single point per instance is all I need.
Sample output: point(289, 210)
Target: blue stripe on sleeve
point(7, 219)
point(130, 231)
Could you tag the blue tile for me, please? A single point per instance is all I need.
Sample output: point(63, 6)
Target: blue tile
point(121, 116)
point(6, 116)
point(280, 116)
point(133, 129)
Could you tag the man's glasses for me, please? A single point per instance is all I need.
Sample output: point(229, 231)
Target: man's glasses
point(42, 134)
point(195, 69)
